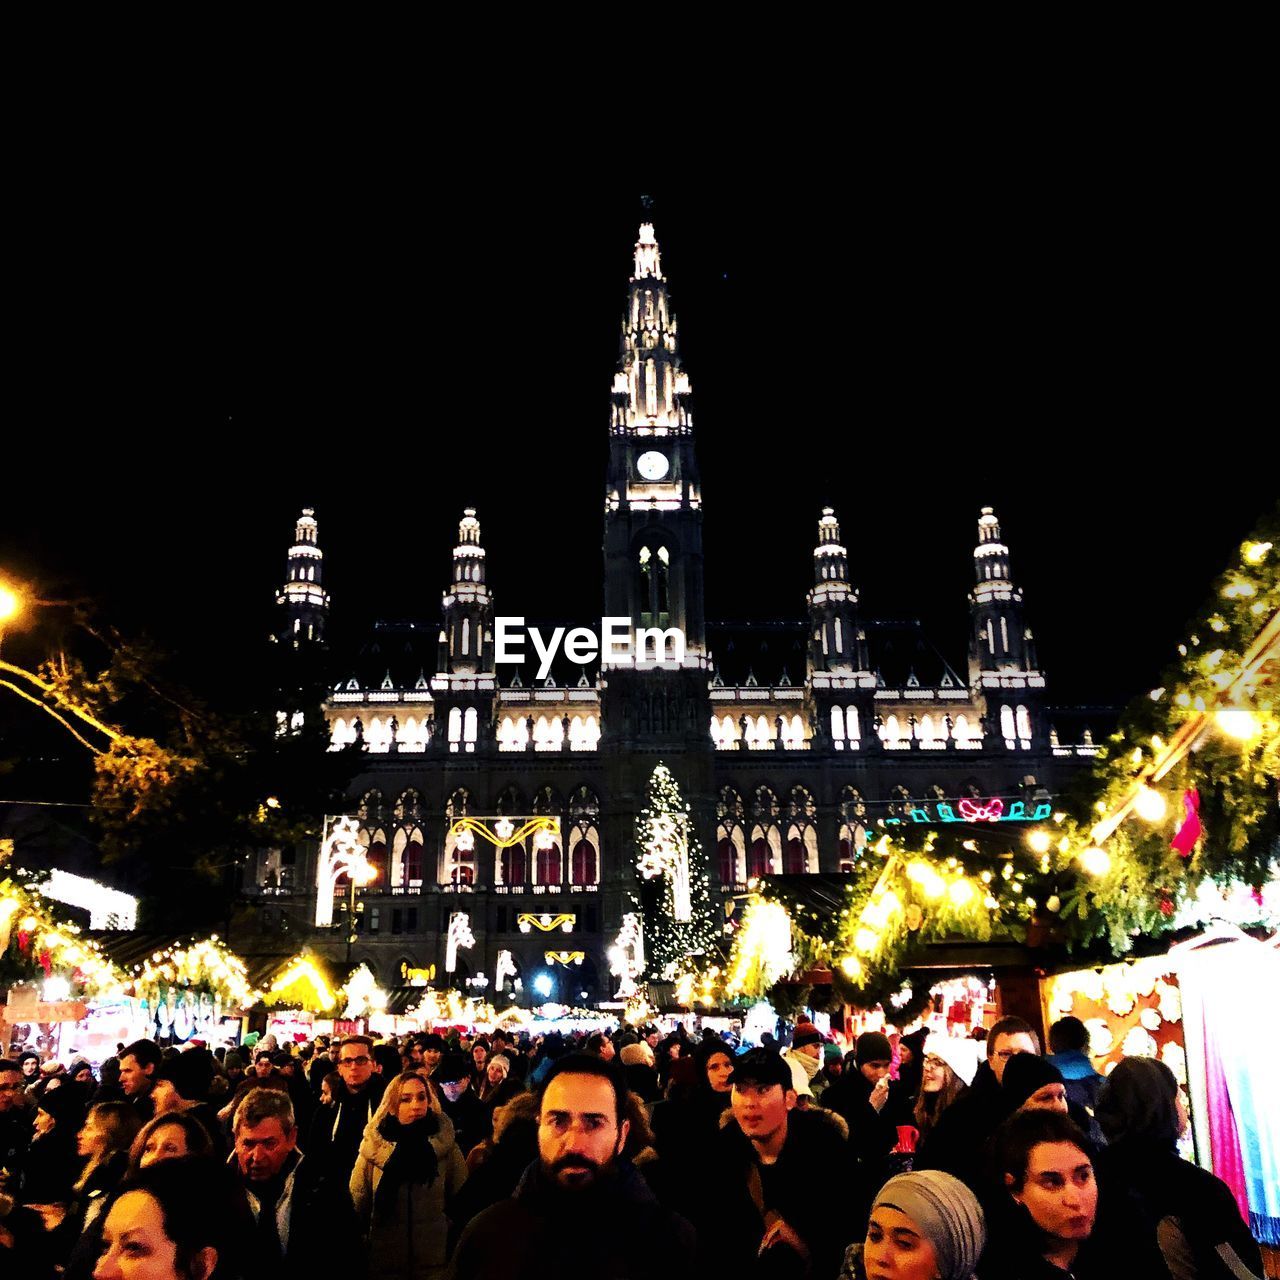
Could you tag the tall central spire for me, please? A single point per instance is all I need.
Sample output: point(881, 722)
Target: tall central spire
point(650, 390)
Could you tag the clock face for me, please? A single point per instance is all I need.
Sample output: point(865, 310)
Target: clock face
point(653, 465)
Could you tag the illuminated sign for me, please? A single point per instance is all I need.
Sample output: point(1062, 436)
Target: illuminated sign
point(974, 811)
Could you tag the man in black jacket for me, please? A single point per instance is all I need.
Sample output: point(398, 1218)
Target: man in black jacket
point(777, 1181)
point(16, 1127)
point(581, 1209)
point(334, 1137)
point(304, 1223)
point(862, 1097)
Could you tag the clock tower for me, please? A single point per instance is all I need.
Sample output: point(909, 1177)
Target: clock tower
point(653, 498)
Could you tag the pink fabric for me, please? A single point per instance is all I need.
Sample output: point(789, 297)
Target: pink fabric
point(1184, 842)
point(1224, 1141)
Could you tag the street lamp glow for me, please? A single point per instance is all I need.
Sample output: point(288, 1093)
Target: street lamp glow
point(10, 603)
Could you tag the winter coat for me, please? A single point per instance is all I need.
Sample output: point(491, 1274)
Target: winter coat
point(412, 1242)
point(809, 1186)
point(872, 1134)
point(1196, 1218)
point(614, 1230)
point(315, 1224)
point(336, 1132)
point(957, 1144)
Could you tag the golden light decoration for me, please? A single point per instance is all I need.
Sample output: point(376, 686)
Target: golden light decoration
point(1039, 841)
point(1150, 805)
point(852, 968)
point(761, 949)
point(1097, 862)
point(504, 833)
point(1256, 552)
point(303, 984)
point(545, 922)
point(1237, 722)
point(961, 892)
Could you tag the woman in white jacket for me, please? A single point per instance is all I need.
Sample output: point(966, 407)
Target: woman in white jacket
point(407, 1172)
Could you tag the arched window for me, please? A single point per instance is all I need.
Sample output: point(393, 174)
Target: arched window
point(583, 864)
point(794, 862)
point(513, 865)
point(758, 858)
point(1023, 721)
point(726, 857)
point(839, 637)
point(852, 726)
point(1006, 724)
point(466, 635)
point(837, 727)
point(892, 733)
point(960, 730)
point(547, 862)
point(469, 728)
point(1004, 634)
point(412, 863)
point(512, 734)
point(991, 638)
point(455, 727)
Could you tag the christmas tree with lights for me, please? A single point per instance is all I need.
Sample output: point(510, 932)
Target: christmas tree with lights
point(679, 921)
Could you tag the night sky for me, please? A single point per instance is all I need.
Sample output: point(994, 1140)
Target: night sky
point(206, 348)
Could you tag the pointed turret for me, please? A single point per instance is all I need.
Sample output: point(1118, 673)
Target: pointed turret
point(1002, 658)
point(653, 497)
point(650, 390)
point(303, 600)
point(834, 643)
point(466, 635)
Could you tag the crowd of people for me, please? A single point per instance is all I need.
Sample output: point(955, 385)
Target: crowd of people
point(616, 1154)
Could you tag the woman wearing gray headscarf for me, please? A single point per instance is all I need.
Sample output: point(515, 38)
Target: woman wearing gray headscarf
point(925, 1225)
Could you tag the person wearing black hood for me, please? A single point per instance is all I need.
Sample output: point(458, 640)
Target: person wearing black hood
point(460, 1101)
point(1198, 1223)
point(1032, 1083)
point(906, 1089)
point(52, 1163)
point(581, 1209)
point(407, 1173)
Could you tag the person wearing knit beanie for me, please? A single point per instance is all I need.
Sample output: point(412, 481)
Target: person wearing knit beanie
point(874, 1047)
point(940, 1211)
point(805, 1033)
point(1032, 1083)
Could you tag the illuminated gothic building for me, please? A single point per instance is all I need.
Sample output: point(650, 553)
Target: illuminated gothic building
point(788, 739)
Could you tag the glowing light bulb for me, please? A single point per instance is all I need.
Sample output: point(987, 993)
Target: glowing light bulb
point(866, 940)
point(1255, 552)
point(1097, 862)
point(1039, 841)
point(1150, 805)
point(851, 967)
point(1237, 722)
point(960, 892)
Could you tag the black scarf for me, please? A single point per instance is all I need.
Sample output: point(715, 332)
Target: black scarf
point(413, 1159)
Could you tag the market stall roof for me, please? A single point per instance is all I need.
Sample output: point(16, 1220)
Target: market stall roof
point(400, 1000)
point(131, 949)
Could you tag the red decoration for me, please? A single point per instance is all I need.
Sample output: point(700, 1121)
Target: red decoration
point(1184, 842)
point(1166, 907)
point(46, 962)
point(24, 941)
point(981, 811)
